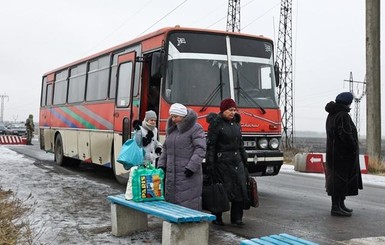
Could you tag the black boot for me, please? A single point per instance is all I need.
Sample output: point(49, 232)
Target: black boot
point(218, 220)
point(336, 208)
point(343, 207)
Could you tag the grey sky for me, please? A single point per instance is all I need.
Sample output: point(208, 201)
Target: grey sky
point(38, 36)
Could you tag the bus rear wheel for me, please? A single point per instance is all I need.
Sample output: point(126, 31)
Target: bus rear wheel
point(60, 159)
point(120, 179)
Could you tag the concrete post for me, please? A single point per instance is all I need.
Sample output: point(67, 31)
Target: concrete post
point(373, 79)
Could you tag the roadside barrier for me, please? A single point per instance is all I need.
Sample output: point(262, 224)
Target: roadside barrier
point(12, 140)
point(314, 162)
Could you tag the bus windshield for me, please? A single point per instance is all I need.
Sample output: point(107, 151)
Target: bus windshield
point(197, 71)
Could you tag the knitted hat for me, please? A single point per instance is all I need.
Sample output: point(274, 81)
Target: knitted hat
point(227, 104)
point(150, 115)
point(178, 109)
point(345, 98)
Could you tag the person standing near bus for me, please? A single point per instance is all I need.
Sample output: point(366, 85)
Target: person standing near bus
point(226, 158)
point(30, 128)
point(181, 159)
point(146, 137)
point(343, 174)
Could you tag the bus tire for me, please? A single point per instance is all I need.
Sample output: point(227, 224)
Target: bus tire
point(120, 179)
point(60, 159)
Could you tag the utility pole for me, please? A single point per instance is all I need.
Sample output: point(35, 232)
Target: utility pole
point(234, 16)
point(285, 62)
point(3, 96)
point(373, 80)
point(357, 99)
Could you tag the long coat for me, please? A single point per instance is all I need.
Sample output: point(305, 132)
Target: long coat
point(226, 155)
point(184, 147)
point(343, 175)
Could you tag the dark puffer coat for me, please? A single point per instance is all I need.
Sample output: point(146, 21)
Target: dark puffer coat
point(184, 147)
point(226, 155)
point(343, 175)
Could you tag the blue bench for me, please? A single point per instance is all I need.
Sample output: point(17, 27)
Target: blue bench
point(281, 239)
point(181, 225)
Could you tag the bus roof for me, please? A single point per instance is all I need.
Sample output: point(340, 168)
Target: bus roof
point(164, 31)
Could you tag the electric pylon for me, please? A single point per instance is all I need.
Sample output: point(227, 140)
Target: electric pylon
point(357, 99)
point(285, 62)
point(234, 16)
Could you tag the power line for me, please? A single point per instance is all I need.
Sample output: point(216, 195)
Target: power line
point(163, 17)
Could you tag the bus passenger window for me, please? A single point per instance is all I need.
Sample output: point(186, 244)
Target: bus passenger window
point(124, 84)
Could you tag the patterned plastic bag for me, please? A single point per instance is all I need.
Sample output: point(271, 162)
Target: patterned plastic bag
point(147, 183)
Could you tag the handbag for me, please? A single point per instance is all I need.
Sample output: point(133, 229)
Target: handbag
point(131, 154)
point(214, 196)
point(147, 183)
point(252, 192)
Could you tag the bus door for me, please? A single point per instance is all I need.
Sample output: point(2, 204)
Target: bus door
point(125, 107)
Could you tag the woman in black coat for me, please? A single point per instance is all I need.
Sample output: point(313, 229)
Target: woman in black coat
point(343, 174)
point(226, 158)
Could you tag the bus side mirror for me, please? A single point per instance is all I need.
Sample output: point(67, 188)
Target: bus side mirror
point(156, 65)
point(276, 74)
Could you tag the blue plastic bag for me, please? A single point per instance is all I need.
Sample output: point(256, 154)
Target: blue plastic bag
point(131, 154)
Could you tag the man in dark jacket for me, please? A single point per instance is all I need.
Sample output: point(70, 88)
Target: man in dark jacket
point(343, 175)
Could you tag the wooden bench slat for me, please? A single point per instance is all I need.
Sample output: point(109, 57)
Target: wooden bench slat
point(281, 239)
point(272, 240)
point(286, 240)
point(260, 242)
point(302, 241)
point(165, 210)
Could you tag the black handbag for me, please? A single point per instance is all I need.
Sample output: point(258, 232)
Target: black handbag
point(214, 196)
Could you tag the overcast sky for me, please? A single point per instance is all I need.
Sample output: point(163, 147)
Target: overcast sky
point(38, 36)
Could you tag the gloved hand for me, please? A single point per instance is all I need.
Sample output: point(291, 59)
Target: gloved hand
point(188, 173)
point(147, 140)
point(136, 124)
point(158, 150)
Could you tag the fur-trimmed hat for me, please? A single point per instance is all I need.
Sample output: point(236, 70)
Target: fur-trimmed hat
point(178, 109)
point(150, 115)
point(227, 104)
point(345, 98)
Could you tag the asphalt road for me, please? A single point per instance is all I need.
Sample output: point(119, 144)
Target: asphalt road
point(293, 203)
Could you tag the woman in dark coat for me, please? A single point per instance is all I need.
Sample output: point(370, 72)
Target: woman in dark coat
point(226, 158)
point(343, 174)
point(183, 152)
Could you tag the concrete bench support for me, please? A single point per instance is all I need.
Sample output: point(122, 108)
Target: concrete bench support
point(126, 220)
point(185, 234)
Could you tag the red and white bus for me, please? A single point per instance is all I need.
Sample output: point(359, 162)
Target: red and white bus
point(88, 106)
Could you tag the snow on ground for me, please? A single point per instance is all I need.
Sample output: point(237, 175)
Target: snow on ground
point(70, 209)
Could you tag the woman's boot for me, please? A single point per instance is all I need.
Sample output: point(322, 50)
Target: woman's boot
point(343, 207)
point(218, 220)
point(336, 208)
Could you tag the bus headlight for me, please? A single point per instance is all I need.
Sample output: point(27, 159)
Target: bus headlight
point(273, 143)
point(263, 143)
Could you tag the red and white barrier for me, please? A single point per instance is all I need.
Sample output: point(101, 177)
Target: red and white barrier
point(314, 162)
point(12, 140)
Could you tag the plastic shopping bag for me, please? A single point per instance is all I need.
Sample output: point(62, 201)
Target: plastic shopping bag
point(131, 154)
point(147, 183)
